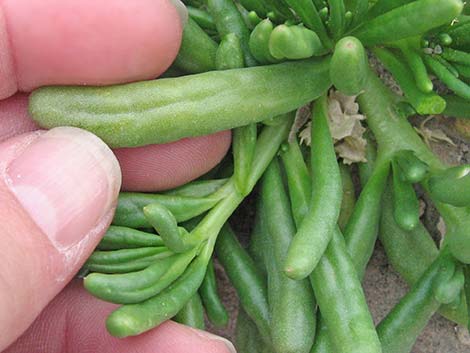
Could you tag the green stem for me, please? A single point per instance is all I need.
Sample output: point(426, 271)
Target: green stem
point(394, 133)
point(424, 103)
point(400, 328)
point(267, 146)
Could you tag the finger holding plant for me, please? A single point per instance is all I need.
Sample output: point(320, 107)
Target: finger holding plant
point(252, 66)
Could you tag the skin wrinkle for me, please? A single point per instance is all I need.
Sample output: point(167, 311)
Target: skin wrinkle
point(67, 343)
point(14, 118)
point(6, 287)
point(9, 80)
point(9, 40)
point(13, 257)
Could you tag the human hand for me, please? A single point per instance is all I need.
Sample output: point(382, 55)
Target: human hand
point(58, 189)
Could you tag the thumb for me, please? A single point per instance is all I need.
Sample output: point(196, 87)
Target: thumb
point(58, 191)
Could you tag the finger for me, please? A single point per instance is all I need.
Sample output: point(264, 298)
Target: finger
point(45, 42)
point(58, 191)
point(160, 167)
point(74, 322)
point(14, 118)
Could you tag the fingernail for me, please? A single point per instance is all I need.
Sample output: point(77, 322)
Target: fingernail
point(182, 10)
point(66, 180)
point(211, 337)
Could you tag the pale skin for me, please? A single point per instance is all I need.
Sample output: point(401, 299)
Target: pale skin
point(58, 189)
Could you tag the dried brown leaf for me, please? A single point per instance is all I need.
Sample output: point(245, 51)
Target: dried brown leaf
point(302, 115)
point(345, 127)
point(432, 134)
